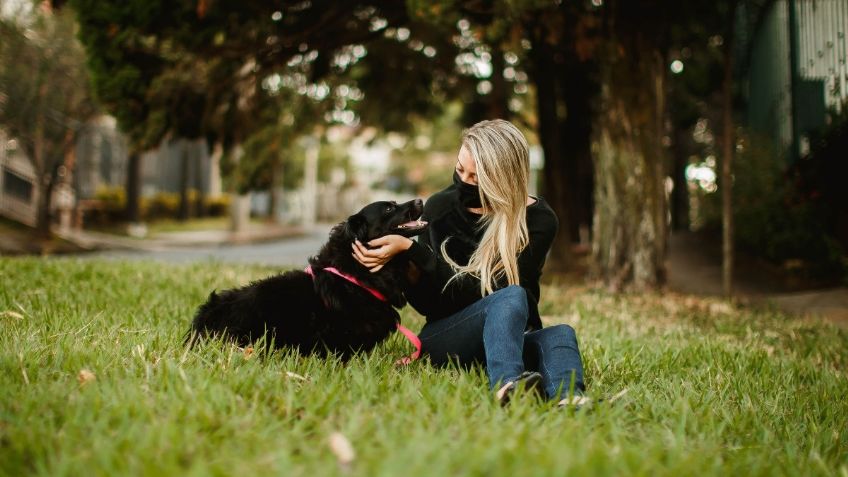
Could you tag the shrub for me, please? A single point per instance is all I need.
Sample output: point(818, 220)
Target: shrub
point(161, 205)
point(218, 206)
point(777, 215)
point(113, 201)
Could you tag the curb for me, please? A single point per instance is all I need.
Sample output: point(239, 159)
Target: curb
point(98, 241)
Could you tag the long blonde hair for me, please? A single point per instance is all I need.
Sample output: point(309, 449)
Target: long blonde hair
point(502, 159)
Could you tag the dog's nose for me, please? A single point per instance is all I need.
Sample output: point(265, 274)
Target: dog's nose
point(419, 203)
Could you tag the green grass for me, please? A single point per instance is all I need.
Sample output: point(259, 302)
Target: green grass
point(191, 225)
point(711, 389)
point(159, 226)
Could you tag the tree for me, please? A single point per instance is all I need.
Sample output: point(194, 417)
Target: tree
point(177, 99)
point(705, 40)
point(630, 234)
point(728, 145)
point(151, 59)
point(123, 63)
point(44, 95)
point(562, 63)
point(154, 88)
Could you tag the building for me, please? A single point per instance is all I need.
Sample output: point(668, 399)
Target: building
point(101, 159)
point(795, 54)
point(18, 193)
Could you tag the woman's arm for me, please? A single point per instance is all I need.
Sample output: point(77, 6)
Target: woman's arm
point(426, 291)
point(428, 294)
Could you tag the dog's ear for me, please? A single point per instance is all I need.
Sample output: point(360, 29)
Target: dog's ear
point(356, 226)
point(213, 297)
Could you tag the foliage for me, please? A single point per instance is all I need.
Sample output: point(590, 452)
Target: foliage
point(99, 383)
point(45, 99)
point(43, 83)
point(113, 200)
point(218, 206)
point(220, 67)
point(162, 205)
point(821, 174)
point(775, 217)
point(124, 62)
point(271, 72)
point(424, 159)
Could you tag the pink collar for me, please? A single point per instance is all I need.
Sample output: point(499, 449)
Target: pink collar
point(416, 342)
point(354, 280)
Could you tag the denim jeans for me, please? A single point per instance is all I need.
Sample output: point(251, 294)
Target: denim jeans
point(491, 331)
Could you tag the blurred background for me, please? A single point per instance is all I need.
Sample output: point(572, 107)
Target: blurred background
point(713, 129)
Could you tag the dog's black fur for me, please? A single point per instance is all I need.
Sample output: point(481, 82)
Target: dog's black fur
point(327, 312)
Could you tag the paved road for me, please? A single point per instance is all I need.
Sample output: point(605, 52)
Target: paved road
point(285, 252)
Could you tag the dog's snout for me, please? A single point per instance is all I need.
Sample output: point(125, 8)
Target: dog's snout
point(419, 203)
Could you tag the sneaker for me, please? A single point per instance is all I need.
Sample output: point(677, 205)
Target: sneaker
point(575, 402)
point(527, 381)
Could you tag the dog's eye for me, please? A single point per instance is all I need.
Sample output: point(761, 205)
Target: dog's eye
point(390, 208)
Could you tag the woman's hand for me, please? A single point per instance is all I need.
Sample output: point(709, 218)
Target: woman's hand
point(384, 248)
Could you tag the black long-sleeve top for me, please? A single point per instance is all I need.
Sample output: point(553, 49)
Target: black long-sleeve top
point(449, 220)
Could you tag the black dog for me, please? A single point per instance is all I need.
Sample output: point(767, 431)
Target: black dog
point(320, 311)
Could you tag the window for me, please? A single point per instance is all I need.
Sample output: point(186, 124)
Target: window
point(16, 186)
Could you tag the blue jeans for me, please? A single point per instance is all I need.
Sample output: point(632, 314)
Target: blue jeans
point(491, 331)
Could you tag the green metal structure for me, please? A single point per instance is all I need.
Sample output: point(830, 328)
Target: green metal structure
point(796, 68)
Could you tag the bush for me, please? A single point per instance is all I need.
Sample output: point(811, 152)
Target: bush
point(776, 215)
point(113, 201)
point(218, 206)
point(160, 205)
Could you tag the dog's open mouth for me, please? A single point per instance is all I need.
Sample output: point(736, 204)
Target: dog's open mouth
point(412, 225)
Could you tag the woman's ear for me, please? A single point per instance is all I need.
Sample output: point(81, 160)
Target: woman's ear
point(356, 227)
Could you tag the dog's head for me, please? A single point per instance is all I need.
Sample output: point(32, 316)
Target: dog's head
point(385, 218)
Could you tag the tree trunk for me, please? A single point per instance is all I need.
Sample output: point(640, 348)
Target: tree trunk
point(274, 191)
point(555, 176)
point(240, 200)
point(185, 175)
point(680, 192)
point(133, 186)
point(201, 181)
point(42, 224)
point(728, 144)
point(578, 91)
point(43, 218)
point(630, 239)
point(310, 182)
point(498, 108)
point(48, 181)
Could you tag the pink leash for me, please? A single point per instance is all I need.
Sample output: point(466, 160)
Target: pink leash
point(412, 337)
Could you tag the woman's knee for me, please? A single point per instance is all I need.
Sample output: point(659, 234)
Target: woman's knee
point(510, 301)
point(511, 293)
point(513, 297)
point(562, 332)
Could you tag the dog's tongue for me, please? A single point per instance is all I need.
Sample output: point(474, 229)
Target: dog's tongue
point(413, 223)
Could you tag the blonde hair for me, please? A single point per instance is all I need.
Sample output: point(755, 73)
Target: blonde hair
point(502, 159)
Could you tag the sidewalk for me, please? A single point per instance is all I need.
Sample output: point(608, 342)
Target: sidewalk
point(253, 233)
point(694, 267)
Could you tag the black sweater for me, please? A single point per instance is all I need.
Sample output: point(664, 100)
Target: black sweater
point(448, 219)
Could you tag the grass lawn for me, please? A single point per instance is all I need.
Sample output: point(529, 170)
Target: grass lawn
point(158, 226)
point(94, 380)
point(194, 224)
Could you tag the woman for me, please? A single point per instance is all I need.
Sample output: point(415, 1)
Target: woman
point(475, 271)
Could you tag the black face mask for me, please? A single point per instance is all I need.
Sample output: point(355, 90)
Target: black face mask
point(469, 195)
